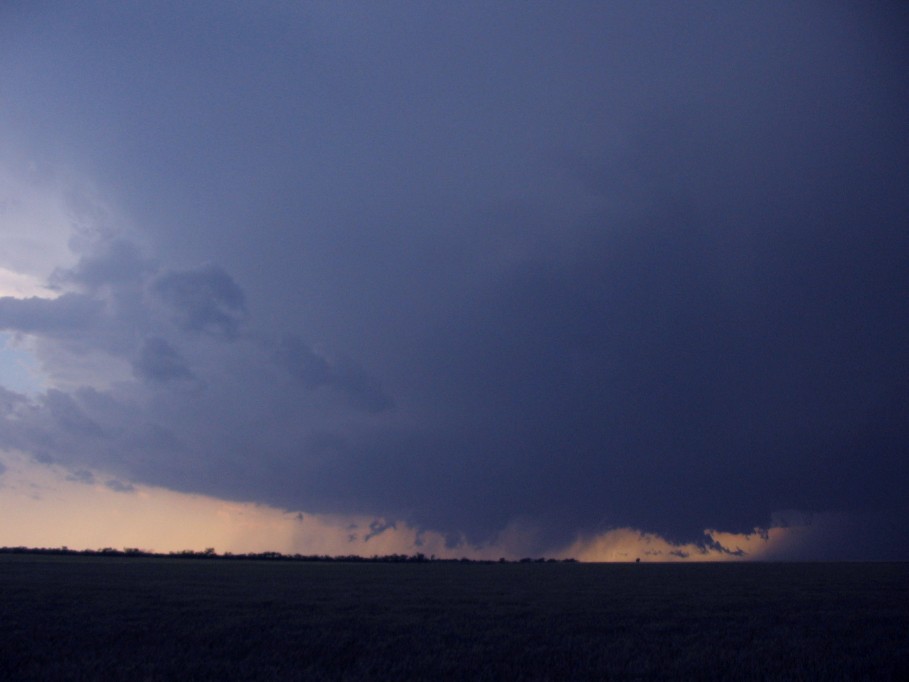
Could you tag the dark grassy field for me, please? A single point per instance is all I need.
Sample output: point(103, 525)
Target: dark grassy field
point(154, 619)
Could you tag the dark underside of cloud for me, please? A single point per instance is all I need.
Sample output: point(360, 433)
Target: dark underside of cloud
point(574, 270)
point(634, 386)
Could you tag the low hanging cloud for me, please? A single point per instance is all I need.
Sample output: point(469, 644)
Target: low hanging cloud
point(600, 272)
point(121, 514)
point(119, 486)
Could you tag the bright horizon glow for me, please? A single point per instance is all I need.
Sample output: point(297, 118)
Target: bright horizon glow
point(47, 506)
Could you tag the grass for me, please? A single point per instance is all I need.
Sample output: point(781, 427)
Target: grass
point(87, 618)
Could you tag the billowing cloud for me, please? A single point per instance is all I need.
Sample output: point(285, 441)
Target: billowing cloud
point(313, 370)
point(47, 507)
point(114, 262)
point(69, 416)
point(68, 313)
point(610, 272)
point(159, 361)
point(202, 300)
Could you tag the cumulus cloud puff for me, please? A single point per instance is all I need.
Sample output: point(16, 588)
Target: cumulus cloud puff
point(194, 364)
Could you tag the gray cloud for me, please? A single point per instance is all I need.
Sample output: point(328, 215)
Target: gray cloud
point(69, 312)
point(202, 300)
point(70, 417)
point(119, 486)
point(376, 528)
point(611, 265)
point(314, 371)
point(114, 262)
point(159, 361)
point(9, 401)
point(81, 476)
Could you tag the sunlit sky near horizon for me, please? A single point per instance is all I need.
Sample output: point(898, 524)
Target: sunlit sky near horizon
point(609, 280)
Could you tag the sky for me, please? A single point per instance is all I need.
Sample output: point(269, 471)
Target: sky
point(610, 280)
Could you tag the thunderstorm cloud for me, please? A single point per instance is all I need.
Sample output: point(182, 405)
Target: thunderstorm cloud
point(562, 268)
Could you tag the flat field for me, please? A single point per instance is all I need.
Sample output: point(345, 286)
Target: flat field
point(80, 618)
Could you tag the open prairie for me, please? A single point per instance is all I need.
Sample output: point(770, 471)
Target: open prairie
point(154, 619)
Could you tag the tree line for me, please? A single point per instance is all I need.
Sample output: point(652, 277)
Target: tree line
point(210, 554)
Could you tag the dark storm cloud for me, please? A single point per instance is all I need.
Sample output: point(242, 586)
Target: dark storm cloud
point(314, 371)
point(159, 361)
point(115, 262)
point(119, 486)
point(576, 267)
point(82, 476)
point(376, 528)
point(68, 415)
point(203, 300)
point(69, 312)
point(9, 401)
point(151, 318)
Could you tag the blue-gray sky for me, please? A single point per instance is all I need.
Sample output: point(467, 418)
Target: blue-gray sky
point(577, 266)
